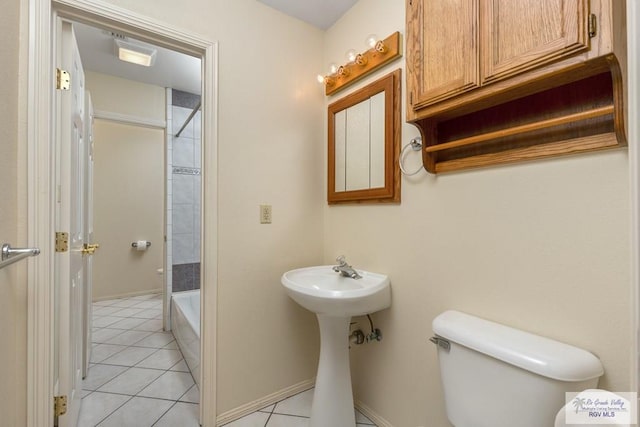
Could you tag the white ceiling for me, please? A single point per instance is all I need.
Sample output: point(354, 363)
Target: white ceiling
point(180, 71)
point(171, 69)
point(319, 13)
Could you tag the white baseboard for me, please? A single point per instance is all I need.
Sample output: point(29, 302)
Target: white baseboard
point(371, 414)
point(250, 407)
point(129, 294)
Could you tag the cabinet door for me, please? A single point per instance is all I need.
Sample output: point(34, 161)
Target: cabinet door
point(442, 49)
point(517, 36)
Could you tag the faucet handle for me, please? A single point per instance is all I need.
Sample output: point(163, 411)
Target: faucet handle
point(341, 260)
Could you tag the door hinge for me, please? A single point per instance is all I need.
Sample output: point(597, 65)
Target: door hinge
point(59, 405)
point(62, 241)
point(63, 80)
point(593, 25)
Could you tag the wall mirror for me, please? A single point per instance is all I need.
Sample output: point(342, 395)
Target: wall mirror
point(364, 144)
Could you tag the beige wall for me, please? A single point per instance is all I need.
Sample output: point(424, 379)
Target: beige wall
point(128, 206)
point(270, 152)
point(116, 95)
point(13, 303)
point(128, 186)
point(541, 246)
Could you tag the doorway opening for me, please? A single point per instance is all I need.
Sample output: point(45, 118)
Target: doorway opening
point(43, 186)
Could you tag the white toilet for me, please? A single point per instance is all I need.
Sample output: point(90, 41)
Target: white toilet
point(497, 376)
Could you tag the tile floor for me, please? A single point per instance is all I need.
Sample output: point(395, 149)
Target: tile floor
point(291, 412)
point(138, 378)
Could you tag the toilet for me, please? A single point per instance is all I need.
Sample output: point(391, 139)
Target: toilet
point(497, 376)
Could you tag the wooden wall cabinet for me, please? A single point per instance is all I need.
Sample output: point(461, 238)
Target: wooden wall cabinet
point(495, 81)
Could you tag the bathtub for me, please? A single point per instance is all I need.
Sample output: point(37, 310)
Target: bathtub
point(185, 325)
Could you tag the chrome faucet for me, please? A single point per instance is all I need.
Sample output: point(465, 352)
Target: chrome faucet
point(345, 269)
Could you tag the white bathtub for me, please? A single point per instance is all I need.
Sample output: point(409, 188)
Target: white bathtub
point(185, 325)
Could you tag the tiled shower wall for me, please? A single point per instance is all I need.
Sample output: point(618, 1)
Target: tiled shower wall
point(183, 191)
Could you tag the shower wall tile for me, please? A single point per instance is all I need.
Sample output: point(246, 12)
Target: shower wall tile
point(182, 248)
point(180, 116)
point(183, 186)
point(197, 150)
point(183, 152)
point(184, 222)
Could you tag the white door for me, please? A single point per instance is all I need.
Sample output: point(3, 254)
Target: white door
point(87, 157)
point(69, 271)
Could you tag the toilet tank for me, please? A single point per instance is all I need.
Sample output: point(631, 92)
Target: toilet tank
point(497, 376)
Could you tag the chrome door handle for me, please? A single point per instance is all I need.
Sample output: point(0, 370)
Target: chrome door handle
point(8, 251)
point(11, 255)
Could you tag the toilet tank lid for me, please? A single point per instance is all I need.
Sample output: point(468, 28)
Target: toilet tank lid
point(540, 355)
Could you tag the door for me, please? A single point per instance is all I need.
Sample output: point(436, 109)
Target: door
point(442, 49)
point(69, 264)
point(87, 156)
point(518, 36)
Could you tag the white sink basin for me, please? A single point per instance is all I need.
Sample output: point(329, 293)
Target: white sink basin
point(323, 291)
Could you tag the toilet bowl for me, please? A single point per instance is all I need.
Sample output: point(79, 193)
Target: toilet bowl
point(561, 417)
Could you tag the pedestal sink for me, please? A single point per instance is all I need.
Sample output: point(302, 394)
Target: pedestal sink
point(335, 298)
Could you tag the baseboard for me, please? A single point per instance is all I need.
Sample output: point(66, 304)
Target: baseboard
point(129, 294)
point(250, 407)
point(371, 414)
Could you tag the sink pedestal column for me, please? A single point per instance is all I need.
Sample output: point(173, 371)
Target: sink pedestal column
point(333, 396)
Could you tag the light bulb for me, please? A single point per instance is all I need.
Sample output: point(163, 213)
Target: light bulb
point(320, 78)
point(371, 40)
point(333, 68)
point(350, 55)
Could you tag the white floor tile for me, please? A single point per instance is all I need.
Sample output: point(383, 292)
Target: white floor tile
point(148, 304)
point(103, 351)
point(153, 325)
point(100, 374)
point(130, 356)
point(256, 419)
point(182, 414)
point(172, 345)
point(191, 396)
point(300, 404)
point(148, 313)
point(277, 420)
point(124, 303)
point(181, 366)
point(132, 381)
point(156, 340)
point(104, 321)
point(127, 323)
point(103, 335)
point(161, 359)
point(105, 311)
point(138, 412)
point(97, 406)
point(126, 312)
point(170, 385)
point(128, 337)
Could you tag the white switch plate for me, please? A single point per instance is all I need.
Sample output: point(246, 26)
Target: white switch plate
point(265, 214)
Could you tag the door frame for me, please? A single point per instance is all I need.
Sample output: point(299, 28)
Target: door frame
point(42, 194)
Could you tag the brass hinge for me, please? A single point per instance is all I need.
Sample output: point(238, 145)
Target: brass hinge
point(63, 80)
point(59, 405)
point(62, 241)
point(593, 25)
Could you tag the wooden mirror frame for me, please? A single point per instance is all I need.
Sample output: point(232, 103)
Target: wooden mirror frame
point(390, 193)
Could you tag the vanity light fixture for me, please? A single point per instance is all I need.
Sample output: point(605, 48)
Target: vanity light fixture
point(379, 53)
point(135, 54)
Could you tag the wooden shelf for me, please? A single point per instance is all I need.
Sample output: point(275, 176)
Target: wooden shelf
point(573, 117)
